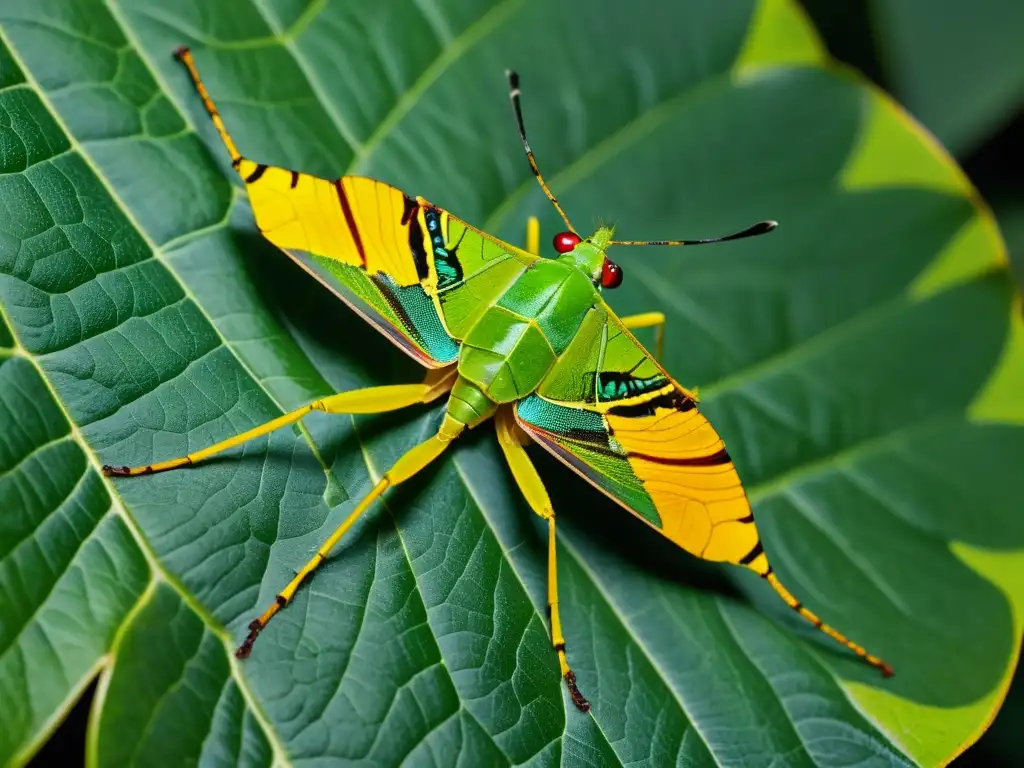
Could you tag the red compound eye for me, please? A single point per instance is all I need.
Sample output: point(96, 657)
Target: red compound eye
point(611, 274)
point(565, 241)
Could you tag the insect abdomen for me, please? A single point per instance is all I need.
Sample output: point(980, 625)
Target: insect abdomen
point(468, 404)
point(506, 355)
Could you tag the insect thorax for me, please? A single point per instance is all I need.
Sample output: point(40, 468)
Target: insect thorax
point(513, 345)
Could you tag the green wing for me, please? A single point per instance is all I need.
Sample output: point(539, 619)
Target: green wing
point(610, 412)
point(418, 274)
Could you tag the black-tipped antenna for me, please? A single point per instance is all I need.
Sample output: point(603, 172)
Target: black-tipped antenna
point(513, 84)
point(761, 228)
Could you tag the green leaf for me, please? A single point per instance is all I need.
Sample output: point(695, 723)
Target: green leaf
point(958, 67)
point(861, 363)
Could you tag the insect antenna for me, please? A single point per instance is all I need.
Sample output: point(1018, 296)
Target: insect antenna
point(761, 228)
point(513, 83)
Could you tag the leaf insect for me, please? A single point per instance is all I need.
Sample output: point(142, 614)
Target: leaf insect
point(508, 335)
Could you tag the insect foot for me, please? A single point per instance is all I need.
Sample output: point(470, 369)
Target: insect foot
point(255, 627)
point(577, 698)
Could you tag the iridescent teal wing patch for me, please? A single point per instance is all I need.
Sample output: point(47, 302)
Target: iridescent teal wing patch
point(419, 275)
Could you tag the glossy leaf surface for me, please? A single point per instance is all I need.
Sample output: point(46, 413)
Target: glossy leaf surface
point(860, 362)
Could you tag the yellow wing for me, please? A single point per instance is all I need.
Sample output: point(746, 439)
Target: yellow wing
point(419, 274)
point(610, 412)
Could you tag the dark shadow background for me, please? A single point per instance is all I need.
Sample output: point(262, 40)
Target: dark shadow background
point(995, 166)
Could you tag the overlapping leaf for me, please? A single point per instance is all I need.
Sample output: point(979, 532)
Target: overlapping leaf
point(861, 363)
point(958, 68)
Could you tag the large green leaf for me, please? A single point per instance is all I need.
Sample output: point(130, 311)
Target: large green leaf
point(861, 363)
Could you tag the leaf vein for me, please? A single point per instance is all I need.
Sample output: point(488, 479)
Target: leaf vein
point(468, 38)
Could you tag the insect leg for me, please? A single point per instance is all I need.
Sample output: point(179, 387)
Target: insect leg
point(371, 400)
point(512, 438)
point(757, 561)
point(533, 236)
point(647, 320)
point(410, 464)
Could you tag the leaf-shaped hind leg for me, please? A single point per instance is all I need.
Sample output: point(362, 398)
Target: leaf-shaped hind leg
point(512, 438)
point(411, 463)
point(370, 400)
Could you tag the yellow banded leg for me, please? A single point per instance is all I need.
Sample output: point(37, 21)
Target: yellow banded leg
point(184, 55)
point(648, 320)
point(512, 438)
point(411, 463)
point(370, 400)
point(757, 561)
